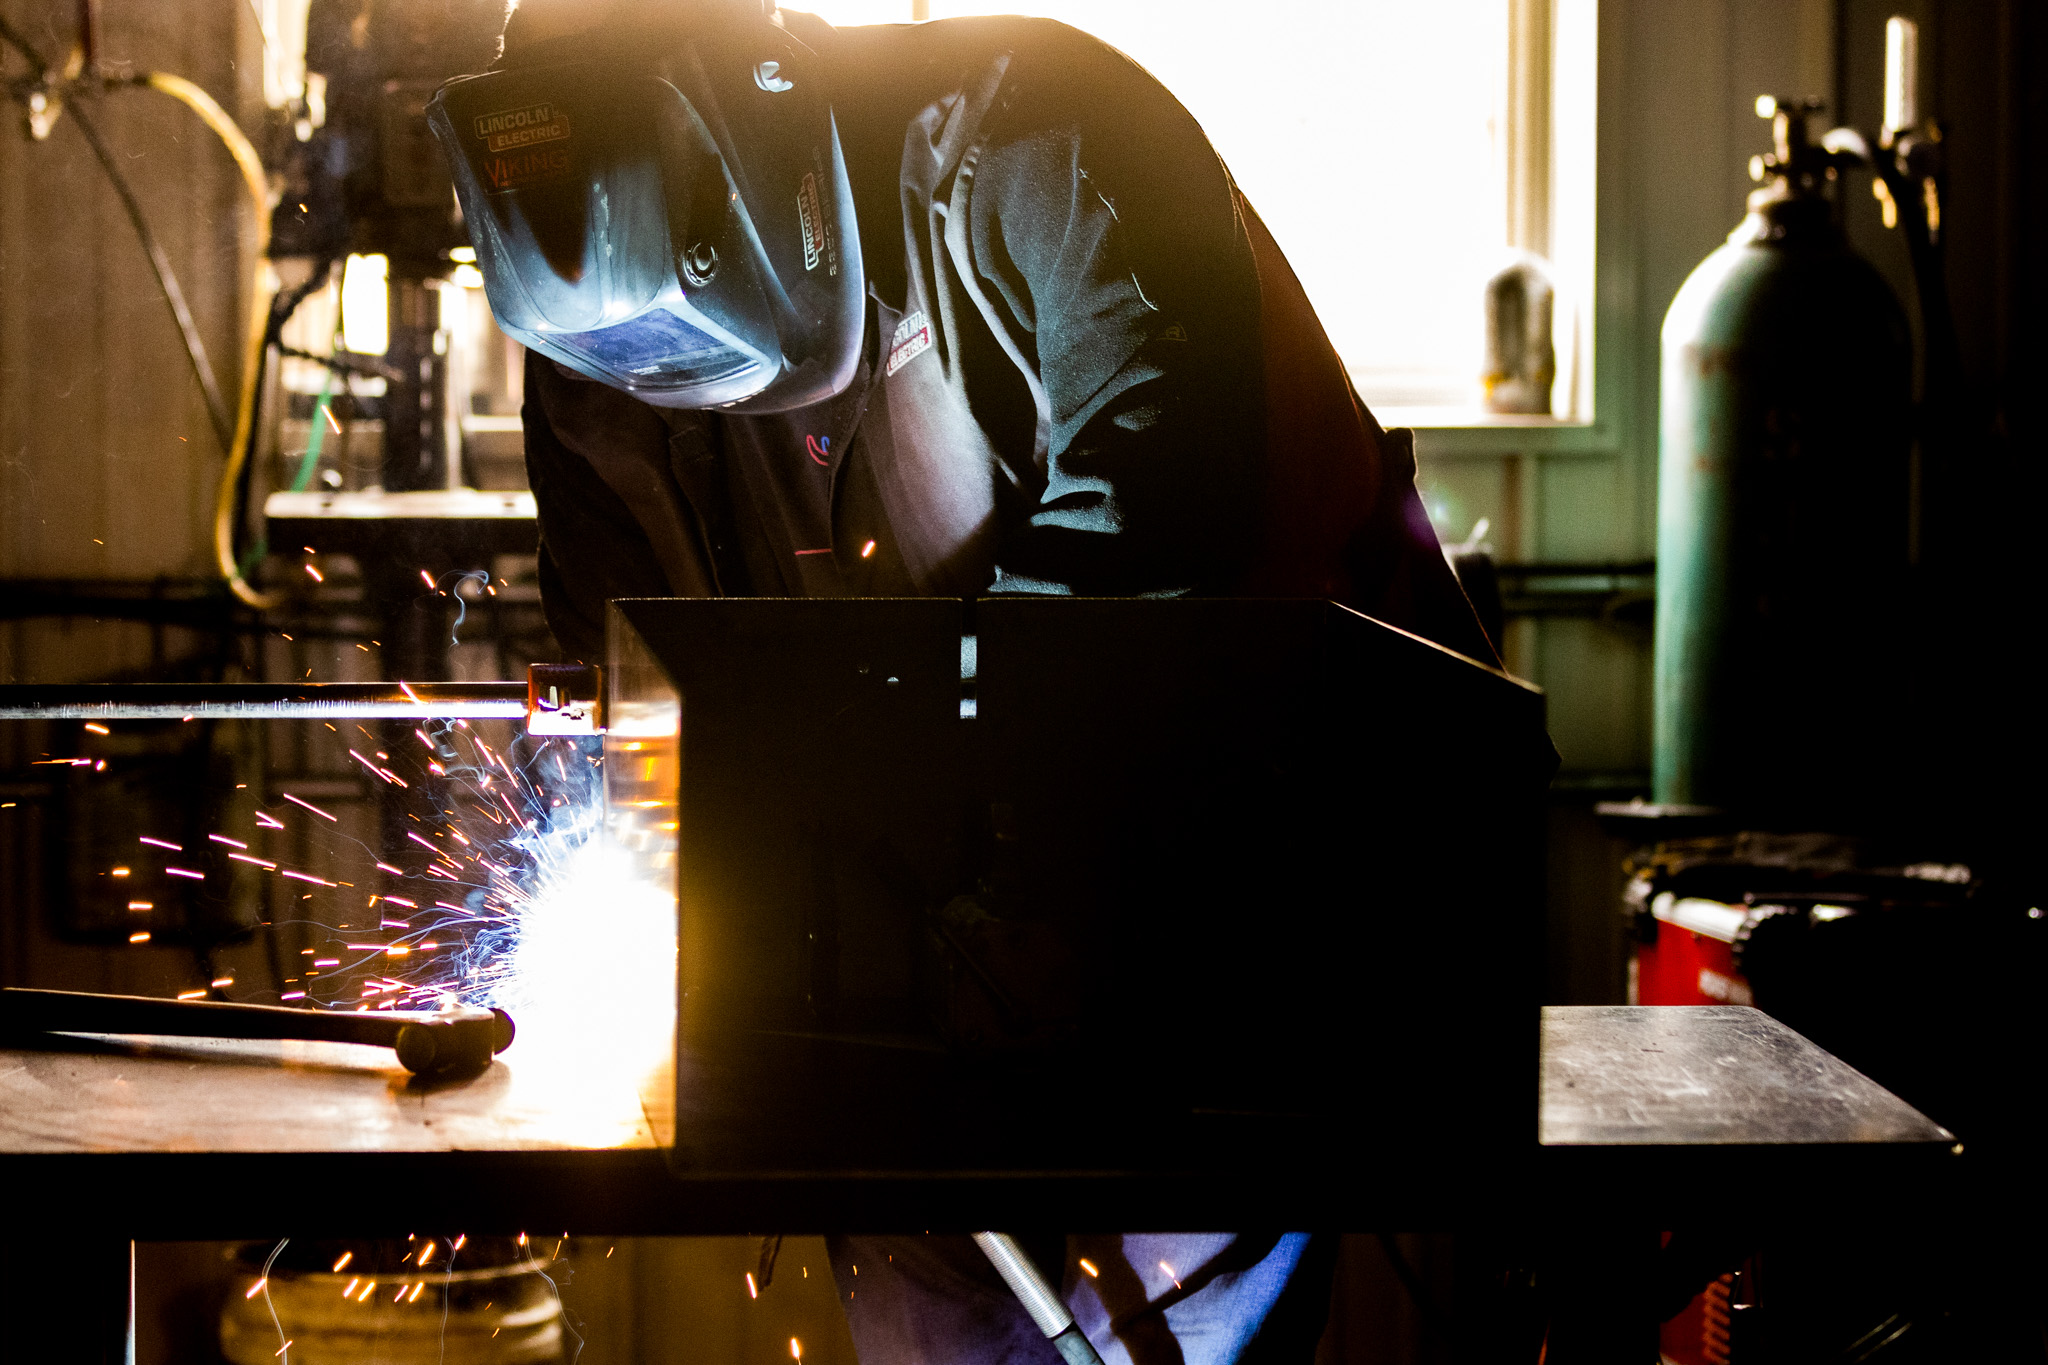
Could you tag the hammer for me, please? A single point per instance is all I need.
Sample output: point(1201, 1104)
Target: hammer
point(452, 1040)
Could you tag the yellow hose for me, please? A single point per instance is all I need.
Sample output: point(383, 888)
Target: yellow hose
point(258, 185)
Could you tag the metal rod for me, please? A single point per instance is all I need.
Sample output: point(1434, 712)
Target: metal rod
point(262, 701)
point(1040, 1300)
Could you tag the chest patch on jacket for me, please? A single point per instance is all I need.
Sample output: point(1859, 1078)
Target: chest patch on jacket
point(912, 339)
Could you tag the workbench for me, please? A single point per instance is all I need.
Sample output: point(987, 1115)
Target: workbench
point(183, 1138)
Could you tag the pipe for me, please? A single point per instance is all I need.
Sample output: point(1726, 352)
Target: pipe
point(263, 701)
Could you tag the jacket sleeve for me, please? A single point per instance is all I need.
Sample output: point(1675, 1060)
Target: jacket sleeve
point(592, 549)
point(1131, 293)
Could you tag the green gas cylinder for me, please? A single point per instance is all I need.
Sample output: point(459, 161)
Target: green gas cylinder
point(1783, 511)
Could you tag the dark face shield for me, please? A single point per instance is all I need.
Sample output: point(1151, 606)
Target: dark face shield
point(669, 217)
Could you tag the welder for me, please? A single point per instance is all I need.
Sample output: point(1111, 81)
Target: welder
point(952, 309)
point(955, 308)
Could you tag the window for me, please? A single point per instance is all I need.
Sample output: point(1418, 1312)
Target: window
point(1400, 153)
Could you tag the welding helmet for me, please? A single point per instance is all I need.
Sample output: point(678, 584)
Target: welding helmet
point(663, 207)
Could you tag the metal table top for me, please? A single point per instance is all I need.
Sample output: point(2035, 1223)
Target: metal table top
point(1638, 1075)
point(218, 1138)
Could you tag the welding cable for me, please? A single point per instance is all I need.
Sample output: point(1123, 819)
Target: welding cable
point(1040, 1302)
point(283, 305)
point(234, 432)
point(243, 439)
point(283, 1352)
point(166, 279)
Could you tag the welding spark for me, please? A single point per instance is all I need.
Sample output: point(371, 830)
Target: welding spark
point(314, 572)
point(753, 1291)
point(191, 995)
point(302, 876)
point(162, 843)
point(142, 905)
point(268, 822)
point(118, 872)
point(139, 936)
point(293, 995)
point(308, 804)
point(263, 863)
point(97, 728)
point(257, 1288)
point(368, 1290)
point(1170, 1274)
point(1088, 1268)
point(223, 839)
point(186, 872)
point(400, 900)
point(341, 1264)
point(796, 1349)
point(394, 871)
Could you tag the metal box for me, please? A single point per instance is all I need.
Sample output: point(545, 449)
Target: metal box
point(1150, 886)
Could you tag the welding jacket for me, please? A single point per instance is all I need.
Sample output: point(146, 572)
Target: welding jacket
point(1088, 370)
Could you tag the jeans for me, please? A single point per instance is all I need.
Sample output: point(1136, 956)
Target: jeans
point(1142, 1298)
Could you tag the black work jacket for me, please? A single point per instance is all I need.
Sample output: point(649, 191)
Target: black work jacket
point(1087, 370)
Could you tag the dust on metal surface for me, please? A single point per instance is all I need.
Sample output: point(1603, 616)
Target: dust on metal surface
point(1643, 1075)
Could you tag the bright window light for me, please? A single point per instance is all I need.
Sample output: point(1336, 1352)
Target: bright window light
point(366, 305)
point(1370, 136)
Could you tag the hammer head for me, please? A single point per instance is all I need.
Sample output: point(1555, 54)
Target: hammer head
point(455, 1040)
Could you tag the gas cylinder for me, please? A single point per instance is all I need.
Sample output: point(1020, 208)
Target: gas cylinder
point(1783, 510)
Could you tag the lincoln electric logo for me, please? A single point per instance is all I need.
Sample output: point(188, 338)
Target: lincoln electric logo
point(510, 129)
point(515, 141)
point(811, 221)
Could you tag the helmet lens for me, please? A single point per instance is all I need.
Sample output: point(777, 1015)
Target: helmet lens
point(657, 343)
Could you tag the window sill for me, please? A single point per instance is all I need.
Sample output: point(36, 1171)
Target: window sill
point(1453, 418)
point(1453, 433)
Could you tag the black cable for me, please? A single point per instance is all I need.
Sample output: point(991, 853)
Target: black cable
point(167, 280)
point(344, 363)
point(287, 302)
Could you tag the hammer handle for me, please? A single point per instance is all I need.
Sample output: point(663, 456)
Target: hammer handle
point(87, 1012)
